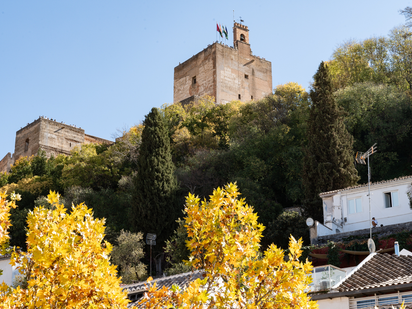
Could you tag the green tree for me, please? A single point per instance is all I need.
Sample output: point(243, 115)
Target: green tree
point(355, 62)
point(382, 114)
point(407, 12)
point(39, 164)
point(177, 251)
point(20, 169)
point(154, 209)
point(89, 167)
point(328, 162)
point(127, 254)
point(286, 224)
point(400, 45)
point(3, 179)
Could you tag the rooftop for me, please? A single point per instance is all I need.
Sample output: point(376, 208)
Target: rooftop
point(365, 185)
point(181, 280)
point(380, 270)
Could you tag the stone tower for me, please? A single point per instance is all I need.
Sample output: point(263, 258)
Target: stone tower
point(226, 73)
point(49, 135)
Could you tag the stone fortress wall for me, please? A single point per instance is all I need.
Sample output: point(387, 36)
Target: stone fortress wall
point(49, 135)
point(6, 163)
point(226, 73)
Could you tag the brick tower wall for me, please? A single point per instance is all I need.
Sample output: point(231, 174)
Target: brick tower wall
point(51, 136)
point(202, 67)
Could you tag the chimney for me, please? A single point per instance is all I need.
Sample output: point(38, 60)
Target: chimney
point(396, 248)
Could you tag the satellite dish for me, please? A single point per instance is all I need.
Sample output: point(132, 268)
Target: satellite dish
point(309, 222)
point(371, 245)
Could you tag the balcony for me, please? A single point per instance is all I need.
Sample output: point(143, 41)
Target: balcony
point(325, 277)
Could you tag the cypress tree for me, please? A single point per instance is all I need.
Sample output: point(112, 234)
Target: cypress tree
point(154, 208)
point(329, 160)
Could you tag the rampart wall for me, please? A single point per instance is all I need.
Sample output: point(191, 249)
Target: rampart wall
point(6, 163)
point(49, 135)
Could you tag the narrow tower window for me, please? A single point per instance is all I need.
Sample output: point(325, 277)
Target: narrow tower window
point(193, 80)
point(246, 76)
point(242, 37)
point(26, 146)
point(239, 96)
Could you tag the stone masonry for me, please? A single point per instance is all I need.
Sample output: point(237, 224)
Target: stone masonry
point(49, 135)
point(226, 73)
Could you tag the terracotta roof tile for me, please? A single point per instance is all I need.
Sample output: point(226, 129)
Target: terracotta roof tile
point(181, 280)
point(380, 270)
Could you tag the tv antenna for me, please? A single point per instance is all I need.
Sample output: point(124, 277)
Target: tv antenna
point(360, 158)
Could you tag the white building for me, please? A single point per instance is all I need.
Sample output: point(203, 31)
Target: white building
point(347, 210)
point(8, 271)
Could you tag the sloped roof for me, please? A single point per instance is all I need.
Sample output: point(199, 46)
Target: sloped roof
point(365, 185)
point(380, 270)
point(181, 280)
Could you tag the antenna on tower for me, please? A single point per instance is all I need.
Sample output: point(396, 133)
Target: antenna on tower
point(360, 158)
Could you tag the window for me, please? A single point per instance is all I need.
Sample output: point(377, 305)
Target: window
point(193, 80)
point(365, 303)
point(26, 146)
point(242, 37)
point(391, 199)
point(388, 300)
point(251, 97)
point(407, 298)
point(239, 97)
point(246, 76)
point(354, 205)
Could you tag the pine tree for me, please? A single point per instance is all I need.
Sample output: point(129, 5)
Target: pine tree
point(328, 162)
point(154, 209)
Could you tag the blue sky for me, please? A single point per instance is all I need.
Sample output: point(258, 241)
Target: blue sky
point(102, 65)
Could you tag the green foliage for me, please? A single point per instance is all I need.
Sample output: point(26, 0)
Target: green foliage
point(39, 164)
point(286, 224)
point(328, 163)
point(382, 114)
point(378, 59)
point(124, 153)
point(114, 206)
point(177, 250)
point(20, 170)
point(85, 167)
point(4, 179)
point(400, 47)
point(19, 227)
point(333, 254)
point(127, 255)
point(154, 209)
point(264, 155)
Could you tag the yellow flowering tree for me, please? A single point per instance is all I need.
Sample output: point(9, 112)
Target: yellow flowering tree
point(224, 239)
point(5, 207)
point(67, 262)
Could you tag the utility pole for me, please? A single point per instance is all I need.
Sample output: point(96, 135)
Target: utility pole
point(360, 158)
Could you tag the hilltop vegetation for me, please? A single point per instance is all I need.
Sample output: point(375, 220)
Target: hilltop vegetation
point(260, 145)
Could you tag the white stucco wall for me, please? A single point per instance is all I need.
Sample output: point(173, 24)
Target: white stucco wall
point(336, 206)
point(334, 303)
point(7, 276)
